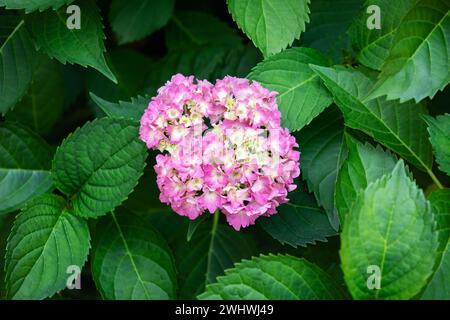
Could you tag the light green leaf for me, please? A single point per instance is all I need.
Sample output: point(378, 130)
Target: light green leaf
point(364, 165)
point(45, 240)
point(299, 222)
point(33, 5)
point(439, 286)
point(133, 109)
point(301, 94)
point(330, 20)
point(16, 60)
point(188, 28)
point(397, 126)
point(99, 164)
point(390, 227)
point(25, 161)
point(322, 152)
point(82, 46)
point(133, 20)
point(439, 130)
point(43, 104)
point(209, 252)
point(272, 25)
point(420, 50)
point(131, 261)
point(281, 277)
point(372, 45)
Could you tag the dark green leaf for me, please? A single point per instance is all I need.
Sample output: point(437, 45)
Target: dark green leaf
point(280, 277)
point(299, 222)
point(83, 46)
point(45, 240)
point(33, 5)
point(133, 109)
point(135, 19)
point(322, 152)
point(131, 260)
point(25, 161)
point(16, 60)
point(439, 130)
point(99, 164)
point(43, 103)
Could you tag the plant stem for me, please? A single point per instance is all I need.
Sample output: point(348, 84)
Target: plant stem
point(435, 179)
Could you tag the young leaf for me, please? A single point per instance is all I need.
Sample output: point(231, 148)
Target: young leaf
point(301, 94)
point(397, 126)
point(16, 60)
point(279, 277)
point(25, 161)
point(299, 222)
point(389, 232)
point(43, 104)
point(123, 109)
point(330, 20)
point(45, 240)
point(29, 6)
point(272, 25)
point(99, 164)
point(372, 45)
point(133, 20)
point(131, 260)
point(209, 252)
point(438, 288)
point(83, 46)
point(323, 150)
point(420, 50)
point(439, 130)
point(187, 29)
point(364, 165)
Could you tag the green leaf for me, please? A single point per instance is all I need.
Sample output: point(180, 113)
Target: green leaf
point(364, 165)
point(272, 25)
point(390, 226)
point(132, 69)
point(6, 223)
point(397, 126)
point(82, 46)
point(439, 130)
point(16, 60)
point(322, 151)
point(281, 277)
point(193, 226)
point(299, 222)
point(131, 260)
point(99, 164)
point(45, 240)
point(301, 94)
point(133, 20)
point(372, 45)
point(438, 287)
point(24, 166)
point(205, 62)
point(330, 20)
point(133, 109)
point(187, 29)
point(29, 6)
point(209, 252)
point(43, 104)
point(420, 50)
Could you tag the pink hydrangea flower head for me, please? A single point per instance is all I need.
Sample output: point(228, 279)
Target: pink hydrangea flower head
point(223, 148)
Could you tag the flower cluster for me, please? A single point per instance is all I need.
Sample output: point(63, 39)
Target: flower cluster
point(223, 148)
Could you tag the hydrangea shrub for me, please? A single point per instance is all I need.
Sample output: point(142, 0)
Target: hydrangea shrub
point(235, 149)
